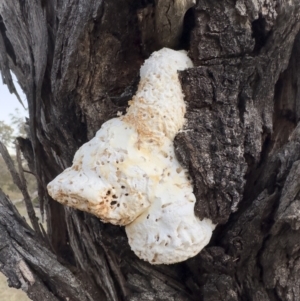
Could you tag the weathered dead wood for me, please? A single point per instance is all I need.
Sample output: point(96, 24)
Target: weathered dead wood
point(27, 262)
point(78, 64)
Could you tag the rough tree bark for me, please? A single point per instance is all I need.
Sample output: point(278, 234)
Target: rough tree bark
point(78, 62)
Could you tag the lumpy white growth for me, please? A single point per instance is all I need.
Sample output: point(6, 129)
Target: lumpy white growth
point(128, 173)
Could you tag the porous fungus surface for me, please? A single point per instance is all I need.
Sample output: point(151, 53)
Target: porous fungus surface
point(128, 173)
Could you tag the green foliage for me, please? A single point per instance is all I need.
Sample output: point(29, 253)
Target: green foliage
point(9, 132)
point(18, 123)
point(6, 133)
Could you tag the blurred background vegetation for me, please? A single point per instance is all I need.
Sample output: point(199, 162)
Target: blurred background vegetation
point(8, 134)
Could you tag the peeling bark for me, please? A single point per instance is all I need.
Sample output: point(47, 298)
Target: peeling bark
point(78, 64)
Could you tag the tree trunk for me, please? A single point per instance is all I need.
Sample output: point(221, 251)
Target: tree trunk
point(78, 62)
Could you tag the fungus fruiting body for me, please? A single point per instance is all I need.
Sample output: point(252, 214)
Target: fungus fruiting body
point(128, 173)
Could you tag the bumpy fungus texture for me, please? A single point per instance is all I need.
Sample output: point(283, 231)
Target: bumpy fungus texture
point(128, 173)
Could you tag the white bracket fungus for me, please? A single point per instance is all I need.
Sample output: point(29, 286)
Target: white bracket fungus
point(128, 173)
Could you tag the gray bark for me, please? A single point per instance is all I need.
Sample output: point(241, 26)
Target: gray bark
point(78, 64)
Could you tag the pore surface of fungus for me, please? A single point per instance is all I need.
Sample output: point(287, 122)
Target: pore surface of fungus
point(128, 173)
